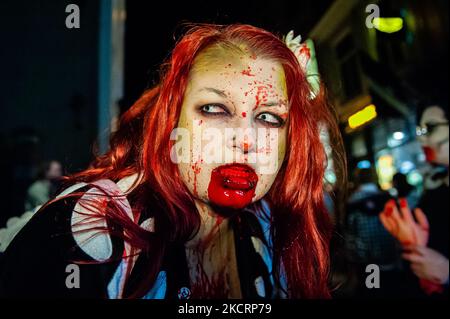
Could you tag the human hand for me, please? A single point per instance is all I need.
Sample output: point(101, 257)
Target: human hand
point(402, 226)
point(427, 263)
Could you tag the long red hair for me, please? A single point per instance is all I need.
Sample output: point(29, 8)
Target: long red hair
point(301, 227)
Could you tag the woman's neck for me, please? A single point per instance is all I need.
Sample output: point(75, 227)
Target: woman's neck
point(211, 256)
point(212, 226)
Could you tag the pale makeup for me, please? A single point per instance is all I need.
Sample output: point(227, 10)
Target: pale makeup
point(235, 92)
point(231, 92)
point(438, 139)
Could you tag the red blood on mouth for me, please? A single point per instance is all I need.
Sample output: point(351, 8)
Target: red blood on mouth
point(244, 114)
point(232, 185)
point(430, 155)
point(403, 203)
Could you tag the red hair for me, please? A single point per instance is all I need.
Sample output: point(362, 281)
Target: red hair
point(301, 227)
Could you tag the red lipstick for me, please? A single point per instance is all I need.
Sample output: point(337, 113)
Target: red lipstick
point(232, 185)
point(430, 155)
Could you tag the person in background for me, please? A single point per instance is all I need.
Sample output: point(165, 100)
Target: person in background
point(366, 239)
point(425, 238)
point(46, 185)
point(41, 191)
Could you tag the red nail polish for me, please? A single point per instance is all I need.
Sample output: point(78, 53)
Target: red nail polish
point(389, 210)
point(403, 203)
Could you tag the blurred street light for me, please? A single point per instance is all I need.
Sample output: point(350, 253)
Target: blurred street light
point(363, 116)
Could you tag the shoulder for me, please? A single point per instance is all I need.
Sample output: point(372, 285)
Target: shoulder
point(79, 212)
point(67, 229)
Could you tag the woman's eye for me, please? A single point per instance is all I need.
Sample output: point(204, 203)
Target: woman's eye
point(213, 109)
point(270, 119)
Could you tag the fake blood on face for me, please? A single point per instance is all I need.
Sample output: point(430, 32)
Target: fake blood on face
point(196, 168)
point(232, 185)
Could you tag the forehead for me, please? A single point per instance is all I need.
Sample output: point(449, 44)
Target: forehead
point(240, 74)
point(433, 113)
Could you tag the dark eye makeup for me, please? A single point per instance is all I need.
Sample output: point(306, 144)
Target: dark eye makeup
point(270, 119)
point(266, 118)
point(213, 109)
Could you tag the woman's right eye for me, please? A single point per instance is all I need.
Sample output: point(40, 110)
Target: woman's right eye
point(213, 109)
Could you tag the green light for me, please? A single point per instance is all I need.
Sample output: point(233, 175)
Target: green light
point(388, 25)
point(414, 178)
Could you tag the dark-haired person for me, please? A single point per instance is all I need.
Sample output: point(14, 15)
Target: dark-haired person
point(156, 217)
point(45, 186)
point(425, 239)
point(367, 240)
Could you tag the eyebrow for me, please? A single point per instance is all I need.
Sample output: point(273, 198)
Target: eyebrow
point(213, 90)
point(272, 103)
point(269, 104)
point(224, 95)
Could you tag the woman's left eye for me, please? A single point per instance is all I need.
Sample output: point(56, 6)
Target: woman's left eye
point(270, 119)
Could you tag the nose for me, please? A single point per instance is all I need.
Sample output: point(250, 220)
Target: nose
point(244, 140)
point(246, 146)
point(242, 134)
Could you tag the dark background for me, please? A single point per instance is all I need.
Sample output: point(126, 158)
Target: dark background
point(49, 74)
point(151, 31)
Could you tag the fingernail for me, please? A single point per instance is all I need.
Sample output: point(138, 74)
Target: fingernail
point(389, 211)
point(403, 203)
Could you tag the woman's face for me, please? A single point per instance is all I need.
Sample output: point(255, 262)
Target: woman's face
point(435, 141)
point(234, 129)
